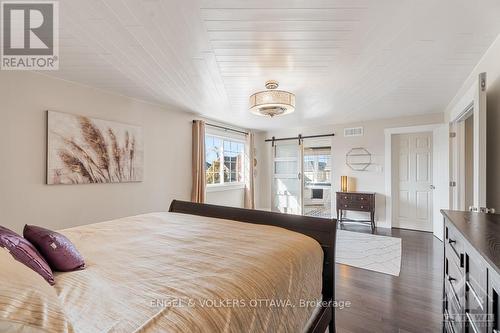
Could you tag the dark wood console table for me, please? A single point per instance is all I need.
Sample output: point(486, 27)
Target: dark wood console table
point(356, 201)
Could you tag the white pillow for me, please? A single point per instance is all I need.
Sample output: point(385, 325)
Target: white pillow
point(27, 302)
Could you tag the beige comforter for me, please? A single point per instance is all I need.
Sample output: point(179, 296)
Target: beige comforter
point(168, 272)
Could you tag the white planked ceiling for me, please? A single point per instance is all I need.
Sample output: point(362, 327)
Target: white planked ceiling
point(346, 60)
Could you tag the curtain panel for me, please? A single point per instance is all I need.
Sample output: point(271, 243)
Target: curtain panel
point(198, 162)
point(250, 166)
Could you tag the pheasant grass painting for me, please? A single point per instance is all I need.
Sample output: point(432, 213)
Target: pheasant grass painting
point(82, 150)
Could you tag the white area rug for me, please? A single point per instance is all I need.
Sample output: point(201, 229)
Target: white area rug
point(373, 252)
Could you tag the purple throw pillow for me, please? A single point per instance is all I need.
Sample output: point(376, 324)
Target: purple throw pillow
point(24, 252)
point(59, 252)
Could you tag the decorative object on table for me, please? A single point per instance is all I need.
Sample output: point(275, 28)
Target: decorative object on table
point(356, 201)
point(373, 252)
point(82, 150)
point(358, 159)
point(343, 183)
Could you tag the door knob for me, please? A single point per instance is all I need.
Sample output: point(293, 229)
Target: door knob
point(433, 187)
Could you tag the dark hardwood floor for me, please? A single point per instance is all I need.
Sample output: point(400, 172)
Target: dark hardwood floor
point(383, 303)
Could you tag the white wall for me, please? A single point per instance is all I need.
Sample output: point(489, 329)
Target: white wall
point(491, 65)
point(24, 197)
point(373, 140)
point(227, 197)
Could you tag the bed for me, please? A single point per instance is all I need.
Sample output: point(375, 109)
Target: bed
point(194, 269)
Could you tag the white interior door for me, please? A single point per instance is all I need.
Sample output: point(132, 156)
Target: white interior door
point(413, 178)
point(287, 177)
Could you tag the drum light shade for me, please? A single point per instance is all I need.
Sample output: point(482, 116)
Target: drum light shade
point(272, 102)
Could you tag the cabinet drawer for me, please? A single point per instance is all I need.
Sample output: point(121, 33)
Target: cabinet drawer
point(454, 244)
point(362, 198)
point(347, 197)
point(454, 283)
point(355, 205)
point(454, 301)
point(494, 302)
point(474, 323)
point(453, 313)
point(448, 323)
point(475, 291)
point(476, 313)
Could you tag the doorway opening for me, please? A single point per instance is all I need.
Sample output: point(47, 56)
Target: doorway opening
point(317, 181)
point(468, 150)
point(469, 161)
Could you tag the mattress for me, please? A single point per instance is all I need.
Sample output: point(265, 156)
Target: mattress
point(170, 272)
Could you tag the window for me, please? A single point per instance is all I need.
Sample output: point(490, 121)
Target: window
point(224, 160)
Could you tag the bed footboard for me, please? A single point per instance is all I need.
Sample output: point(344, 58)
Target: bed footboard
point(322, 230)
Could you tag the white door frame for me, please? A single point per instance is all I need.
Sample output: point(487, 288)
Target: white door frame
point(472, 103)
point(437, 130)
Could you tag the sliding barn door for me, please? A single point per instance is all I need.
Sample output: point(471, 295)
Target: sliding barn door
point(287, 177)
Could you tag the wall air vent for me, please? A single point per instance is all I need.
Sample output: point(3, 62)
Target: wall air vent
point(353, 131)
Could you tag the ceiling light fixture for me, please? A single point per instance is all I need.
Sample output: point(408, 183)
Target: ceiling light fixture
point(272, 102)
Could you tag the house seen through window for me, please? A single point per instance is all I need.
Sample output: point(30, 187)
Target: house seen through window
point(224, 158)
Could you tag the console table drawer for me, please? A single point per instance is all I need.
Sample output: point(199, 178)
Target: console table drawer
point(356, 197)
point(355, 205)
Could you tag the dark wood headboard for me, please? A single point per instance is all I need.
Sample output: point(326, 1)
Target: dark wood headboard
point(322, 230)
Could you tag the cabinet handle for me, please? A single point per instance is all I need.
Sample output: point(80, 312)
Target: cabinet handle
point(451, 279)
point(461, 255)
point(362, 207)
point(362, 198)
point(345, 198)
point(345, 205)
